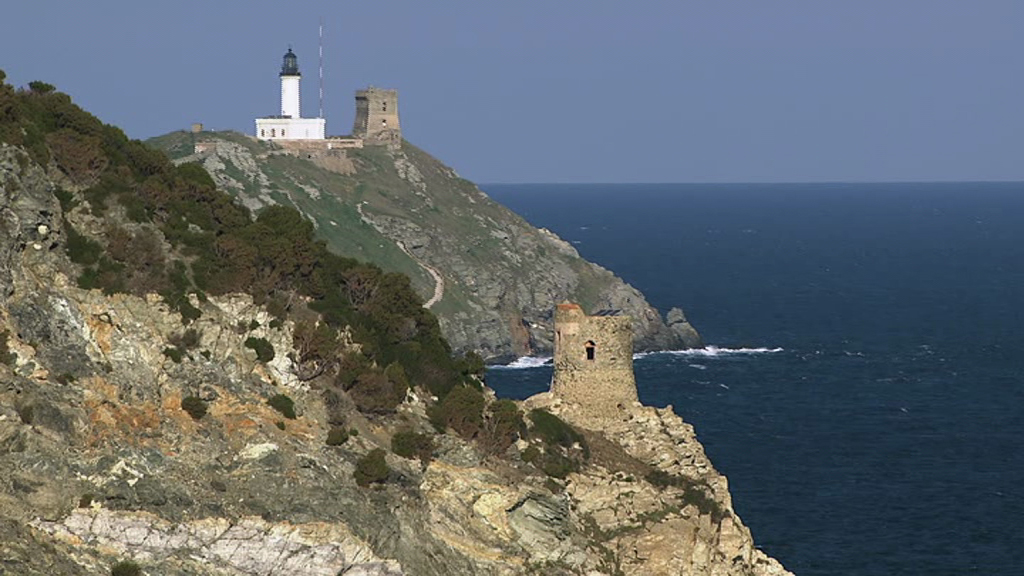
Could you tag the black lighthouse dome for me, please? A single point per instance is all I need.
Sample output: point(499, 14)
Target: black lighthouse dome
point(290, 66)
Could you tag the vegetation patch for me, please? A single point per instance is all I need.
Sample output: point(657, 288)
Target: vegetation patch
point(126, 568)
point(461, 410)
point(372, 390)
point(371, 469)
point(195, 406)
point(175, 354)
point(283, 404)
point(408, 444)
point(337, 436)
point(503, 425)
point(264, 349)
point(695, 494)
point(562, 449)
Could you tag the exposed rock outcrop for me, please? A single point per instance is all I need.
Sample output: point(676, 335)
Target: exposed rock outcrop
point(100, 461)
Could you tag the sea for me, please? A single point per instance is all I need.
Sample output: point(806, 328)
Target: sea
point(862, 384)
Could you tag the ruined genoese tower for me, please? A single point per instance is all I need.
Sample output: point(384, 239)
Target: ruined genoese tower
point(376, 119)
point(594, 361)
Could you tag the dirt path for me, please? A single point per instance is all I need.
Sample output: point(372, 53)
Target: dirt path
point(438, 279)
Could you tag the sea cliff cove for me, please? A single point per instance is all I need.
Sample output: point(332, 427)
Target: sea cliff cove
point(252, 324)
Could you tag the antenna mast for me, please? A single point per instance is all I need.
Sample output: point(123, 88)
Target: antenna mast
point(321, 67)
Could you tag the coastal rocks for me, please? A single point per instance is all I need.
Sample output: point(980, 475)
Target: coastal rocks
point(678, 324)
point(665, 509)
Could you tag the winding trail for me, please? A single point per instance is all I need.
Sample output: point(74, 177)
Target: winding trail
point(438, 279)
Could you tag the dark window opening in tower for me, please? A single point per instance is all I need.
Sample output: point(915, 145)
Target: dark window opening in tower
point(282, 132)
point(273, 132)
point(591, 349)
point(384, 123)
point(383, 106)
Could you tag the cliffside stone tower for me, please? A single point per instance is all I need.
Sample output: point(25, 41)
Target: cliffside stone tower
point(290, 125)
point(377, 117)
point(594, 360)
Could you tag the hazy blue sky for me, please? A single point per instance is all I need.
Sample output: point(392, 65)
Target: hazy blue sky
point(595, 91)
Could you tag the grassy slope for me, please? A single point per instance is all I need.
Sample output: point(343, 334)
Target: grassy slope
point(334, 212)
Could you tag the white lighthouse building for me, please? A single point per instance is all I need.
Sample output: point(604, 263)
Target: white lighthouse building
point(290, 125)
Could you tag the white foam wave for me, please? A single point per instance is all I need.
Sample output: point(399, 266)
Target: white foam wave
point(713, 352)
point(526, 362)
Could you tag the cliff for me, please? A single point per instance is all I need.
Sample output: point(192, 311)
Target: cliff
point(488, 275)
point(296, 415)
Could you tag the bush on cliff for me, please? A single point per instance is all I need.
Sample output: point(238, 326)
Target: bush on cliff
point(195, 406)
point(283, 404)
point(409, 444)
point(264, 349)
point(502, 427)
point(126, 568)
point(371, 469)
point(461, 410)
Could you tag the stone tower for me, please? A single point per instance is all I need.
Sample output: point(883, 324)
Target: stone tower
point(377, 117)
point(594, 360)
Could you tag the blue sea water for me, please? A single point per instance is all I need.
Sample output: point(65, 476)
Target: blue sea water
point(866, 399)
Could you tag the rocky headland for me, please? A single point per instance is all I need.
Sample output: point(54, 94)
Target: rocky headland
point(188, 390)
point(488, 275)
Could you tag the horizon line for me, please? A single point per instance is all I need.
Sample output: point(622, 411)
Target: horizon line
point(749, 182)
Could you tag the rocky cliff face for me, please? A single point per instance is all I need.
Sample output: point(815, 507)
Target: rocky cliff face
point(490, 277)
point(100, 463)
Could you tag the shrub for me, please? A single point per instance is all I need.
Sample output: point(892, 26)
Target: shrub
point(375, 392)
point(195, 406)
point(553, 430)
point(40, 87)
point(337, 436)
point(82, 249)
point(283, 404)
point(461, 410)
point(371, 468)
point(86, 500)
point(694, 493)
point(264, 349)
point(504, 425)
point(175, 354)
point(556, 465)
point(126, 568)
point(472, 364)
point(408, 444)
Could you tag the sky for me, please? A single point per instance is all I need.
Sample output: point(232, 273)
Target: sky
point(595, 91)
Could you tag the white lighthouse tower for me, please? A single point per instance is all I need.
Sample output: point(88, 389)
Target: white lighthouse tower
point(291, 101)
point(290, 125)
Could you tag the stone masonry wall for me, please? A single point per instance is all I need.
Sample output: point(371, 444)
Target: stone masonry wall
point(377, 116)
point(601, 385)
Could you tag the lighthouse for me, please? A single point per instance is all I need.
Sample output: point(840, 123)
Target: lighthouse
point(291, 100)
point(289, 124)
